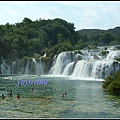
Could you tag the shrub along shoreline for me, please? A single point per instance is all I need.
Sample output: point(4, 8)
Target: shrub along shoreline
point(112, 83)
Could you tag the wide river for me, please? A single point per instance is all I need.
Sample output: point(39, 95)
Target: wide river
point(84, 98)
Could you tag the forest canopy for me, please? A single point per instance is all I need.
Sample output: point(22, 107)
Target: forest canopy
point(51, 36)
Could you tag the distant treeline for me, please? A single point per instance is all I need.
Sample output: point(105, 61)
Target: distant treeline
point(52, 36)
point(100, 37)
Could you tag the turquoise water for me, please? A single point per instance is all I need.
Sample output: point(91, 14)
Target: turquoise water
point(84, 99)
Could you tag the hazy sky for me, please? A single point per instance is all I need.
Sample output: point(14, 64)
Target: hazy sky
point(84, 14)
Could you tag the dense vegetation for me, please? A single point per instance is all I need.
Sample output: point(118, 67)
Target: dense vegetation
point(112, 83)
point(37, 37)
point(31, 38)
point(101, 37)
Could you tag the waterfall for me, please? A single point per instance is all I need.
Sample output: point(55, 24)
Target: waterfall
point(85, 64)
point(91, 64)
point(19, 67)
point(5, 68)
point(91, 69)
point(102, 69)
point(14, 67)
point(38, 67)
point(113, 55)
point(82, 69)
point(61, 62)
point(69, 69)
point(27, 68)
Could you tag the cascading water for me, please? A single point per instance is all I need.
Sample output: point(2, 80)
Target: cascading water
point(5, 68)
point(96, 64)
point(82, 69)
point(38, 66)
point(113, 55)
point(27, 68)
point(23, 67)
point(91, 65)
point(61, 62)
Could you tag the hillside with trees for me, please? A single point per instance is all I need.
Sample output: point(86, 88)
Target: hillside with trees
point(101, 37)
point(52, 36)
point(37, 37)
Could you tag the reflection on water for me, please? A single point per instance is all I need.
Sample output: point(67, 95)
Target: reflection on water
point(84, 99)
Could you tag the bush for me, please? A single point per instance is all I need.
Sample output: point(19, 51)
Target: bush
point(114, 87)
point(112, 83)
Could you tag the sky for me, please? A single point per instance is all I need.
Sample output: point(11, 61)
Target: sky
point(102, 15)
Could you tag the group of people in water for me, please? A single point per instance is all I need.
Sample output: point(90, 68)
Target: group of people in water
point(10, 95)
point(18, 95)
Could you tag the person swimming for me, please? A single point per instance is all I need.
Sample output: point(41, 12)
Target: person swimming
point(3, 96)
point(32, 89)
point(18, 96)
point(63, 94)
point(10, 94)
